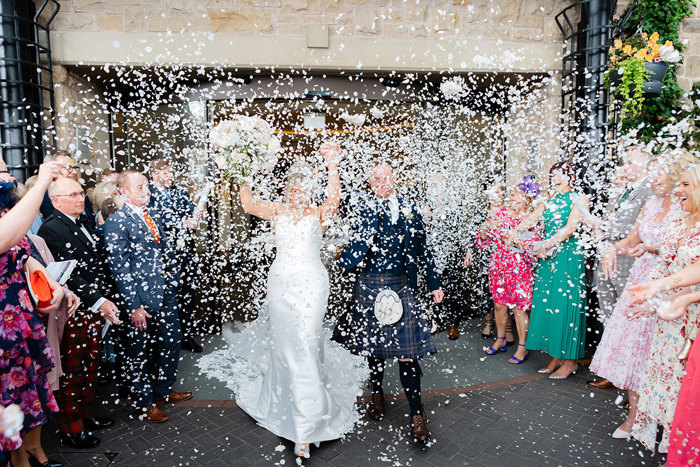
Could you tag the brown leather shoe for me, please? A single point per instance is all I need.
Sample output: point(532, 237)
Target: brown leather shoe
point(375, 411)
point(453, 335)
point(601, 384)
point(155, 415)
point(174, 397)
point(419, 430)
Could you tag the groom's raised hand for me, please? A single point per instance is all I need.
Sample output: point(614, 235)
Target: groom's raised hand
point(438, 295)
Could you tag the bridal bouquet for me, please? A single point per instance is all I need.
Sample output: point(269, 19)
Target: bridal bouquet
point(245, 146)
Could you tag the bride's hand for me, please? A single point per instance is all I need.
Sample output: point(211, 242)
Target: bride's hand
point(330, 151)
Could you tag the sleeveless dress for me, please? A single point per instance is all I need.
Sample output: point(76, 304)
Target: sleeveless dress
point(283, 368)
point(511, 273)
point(25, 355)
point(623, 352)
point(664, 372)
point(558, 317)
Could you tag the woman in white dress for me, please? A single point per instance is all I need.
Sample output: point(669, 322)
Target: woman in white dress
point(292, 381)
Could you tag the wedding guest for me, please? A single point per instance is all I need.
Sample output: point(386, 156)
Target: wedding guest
point(146, 273)
point(179, 221)
point(69, 169)
point(69, 236)
point(679, 247)
point(101, 193)
point(623, 352)
point(443, 217)
point(496, 197)
point(511, 270)
point(558, 317)
point(27, 356)
point(28, 184)
point(618, 220)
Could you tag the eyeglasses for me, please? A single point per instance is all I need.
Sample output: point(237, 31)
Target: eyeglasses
point(71, 168)
point(76, 195)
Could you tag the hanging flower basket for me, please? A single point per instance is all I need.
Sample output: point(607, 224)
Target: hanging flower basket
point(637, 68)
point(652, 85)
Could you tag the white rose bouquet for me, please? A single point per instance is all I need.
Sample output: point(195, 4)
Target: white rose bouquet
point(245, 146)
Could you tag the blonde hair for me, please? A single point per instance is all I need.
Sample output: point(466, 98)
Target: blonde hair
point(31, 181)
point(299, 173)
point(678, 163)
point(693, 171)
point(102, 191)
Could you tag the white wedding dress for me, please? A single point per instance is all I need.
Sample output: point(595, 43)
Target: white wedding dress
point(283, 368)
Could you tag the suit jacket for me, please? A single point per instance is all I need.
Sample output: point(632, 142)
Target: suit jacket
point(91, 279)
point(416, 249)
point(46, 209)
point(173, 209)
point(142, 267)
point(621, 219)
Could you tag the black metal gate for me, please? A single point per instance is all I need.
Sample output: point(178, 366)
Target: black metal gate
point(27, 118)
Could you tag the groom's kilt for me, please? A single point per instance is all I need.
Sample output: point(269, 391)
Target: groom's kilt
point(360, 332)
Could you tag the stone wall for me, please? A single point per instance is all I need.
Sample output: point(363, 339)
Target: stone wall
point(527, 20)
point(70, 90)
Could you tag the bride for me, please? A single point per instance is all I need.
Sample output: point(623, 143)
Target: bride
point(294, 381)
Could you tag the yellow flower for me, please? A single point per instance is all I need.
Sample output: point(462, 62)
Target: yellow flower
point(618, 44)
point(627, 49)
point(654, 38)
point(645, 36)
point(668, 43)
point(641, 54)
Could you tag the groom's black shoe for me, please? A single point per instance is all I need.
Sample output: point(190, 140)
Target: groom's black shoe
point(375, 411)
point(192, 345)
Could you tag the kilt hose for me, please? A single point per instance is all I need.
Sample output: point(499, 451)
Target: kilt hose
point(81, 353)
point(362, 334)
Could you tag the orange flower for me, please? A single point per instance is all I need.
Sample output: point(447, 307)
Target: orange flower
point(654, 38)
point(668, 43)
point(618, 44)
point(628, 49)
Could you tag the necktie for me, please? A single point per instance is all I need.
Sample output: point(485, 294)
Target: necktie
point(151, 225)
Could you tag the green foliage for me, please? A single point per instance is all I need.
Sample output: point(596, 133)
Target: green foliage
point(664, 17)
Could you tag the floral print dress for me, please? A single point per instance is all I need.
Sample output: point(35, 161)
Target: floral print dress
point(664, 373)
point(511, 273)
point(25, 355)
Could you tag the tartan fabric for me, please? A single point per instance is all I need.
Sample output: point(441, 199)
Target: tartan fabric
point(80, 356)
point(361, 333)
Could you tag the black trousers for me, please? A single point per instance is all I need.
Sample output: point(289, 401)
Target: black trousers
point(449, 312)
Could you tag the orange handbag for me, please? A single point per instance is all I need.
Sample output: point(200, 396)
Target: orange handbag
point(41, 289)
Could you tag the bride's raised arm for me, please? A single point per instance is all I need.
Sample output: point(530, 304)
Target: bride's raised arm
point(327, 210)
point(258, 207)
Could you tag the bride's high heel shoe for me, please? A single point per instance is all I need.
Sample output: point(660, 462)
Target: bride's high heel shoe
point(302, 450)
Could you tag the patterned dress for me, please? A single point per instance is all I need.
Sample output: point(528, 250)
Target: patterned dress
point(25, 355)
point(558, 317)
point(662, 381)
point(684, 447)
point(623, 352)
point(511, 273)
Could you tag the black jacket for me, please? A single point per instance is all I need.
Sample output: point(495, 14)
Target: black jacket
point(91, 279)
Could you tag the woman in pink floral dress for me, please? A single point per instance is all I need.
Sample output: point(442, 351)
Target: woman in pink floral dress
point(623, 352)
point(511, 269)
point(680, 247)
point(25, 355)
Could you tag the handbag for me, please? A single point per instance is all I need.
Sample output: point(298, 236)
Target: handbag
point(40, 289)
point(388, 308)
point(687, 344)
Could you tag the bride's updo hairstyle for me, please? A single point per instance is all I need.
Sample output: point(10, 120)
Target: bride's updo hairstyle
point(300, 177)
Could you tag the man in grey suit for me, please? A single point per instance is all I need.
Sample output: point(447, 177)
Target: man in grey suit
point(144, 267)
point(611, 269)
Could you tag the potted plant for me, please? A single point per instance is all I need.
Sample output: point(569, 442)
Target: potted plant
point(637, 66)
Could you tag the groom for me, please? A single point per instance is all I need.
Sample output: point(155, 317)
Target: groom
point(386, 253)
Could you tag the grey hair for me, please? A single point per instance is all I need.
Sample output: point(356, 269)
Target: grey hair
point(53, 155)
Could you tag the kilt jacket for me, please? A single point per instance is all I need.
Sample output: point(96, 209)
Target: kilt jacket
point(416, 251)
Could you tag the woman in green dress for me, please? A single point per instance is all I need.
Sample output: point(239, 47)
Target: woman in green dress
point(558, 316)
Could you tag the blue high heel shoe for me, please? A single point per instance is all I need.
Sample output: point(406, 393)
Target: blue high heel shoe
point(492, 351)
point(517, 360)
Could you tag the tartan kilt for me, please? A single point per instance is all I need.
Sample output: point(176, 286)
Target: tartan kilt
point(362, 334)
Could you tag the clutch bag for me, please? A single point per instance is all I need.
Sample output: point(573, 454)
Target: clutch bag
point(40, 288)
point(388, 308)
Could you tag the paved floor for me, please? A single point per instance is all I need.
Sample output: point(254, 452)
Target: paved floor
point(483, 412)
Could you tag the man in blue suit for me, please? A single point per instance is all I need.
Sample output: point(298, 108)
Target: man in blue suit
point(387, 252)
point(180, 222)
point(146, 273)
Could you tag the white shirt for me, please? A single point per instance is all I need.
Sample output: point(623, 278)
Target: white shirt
point(139, 212)
point(393, 207)
point(99, 301)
